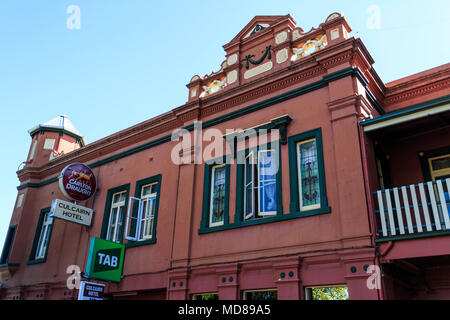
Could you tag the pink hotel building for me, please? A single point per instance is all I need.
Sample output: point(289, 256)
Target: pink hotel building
point(359, 204)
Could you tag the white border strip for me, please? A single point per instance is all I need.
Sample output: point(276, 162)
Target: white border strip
point(409, 117)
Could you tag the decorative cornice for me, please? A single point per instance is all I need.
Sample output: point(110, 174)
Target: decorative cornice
point(109, 144)
point(423, 89)
point(272, 20)
point(256, 93)
point(170, 121)
point(280, 124)
point(61, 131)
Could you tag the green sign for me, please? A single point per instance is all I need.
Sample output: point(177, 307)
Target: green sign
point(105, 261)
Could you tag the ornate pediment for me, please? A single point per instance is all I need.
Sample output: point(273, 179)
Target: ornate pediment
point(257, 25)
point(265, 45)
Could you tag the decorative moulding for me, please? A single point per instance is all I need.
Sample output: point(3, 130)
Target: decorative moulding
point(232, 59)
point(298, 33)
point(232, 77)
point(333, 16)
point(258, 70)
point(309, 47)
point(257, 28)
point(281, 37)
point(282, 55)
point(247, 33)
point(215, 86)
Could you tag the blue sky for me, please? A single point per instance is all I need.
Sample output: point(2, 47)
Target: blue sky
point(131, 60)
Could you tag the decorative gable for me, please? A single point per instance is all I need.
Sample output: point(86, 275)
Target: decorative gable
point(267, 44)
point(256, 29)
point(258, 24)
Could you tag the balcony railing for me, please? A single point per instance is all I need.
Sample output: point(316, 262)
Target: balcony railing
point(414, 209)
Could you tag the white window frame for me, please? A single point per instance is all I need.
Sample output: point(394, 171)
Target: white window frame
point(299, 174)
point(251, 161)
point(255, 182)
point(264, 213)
point(130, 217)
point(140, 218)
point(143, 217)
point(220, 223)
point(42, 244)
point(117, 223)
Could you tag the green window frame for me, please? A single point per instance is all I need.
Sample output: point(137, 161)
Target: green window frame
point(216, 212)
point(7, 246)
point(297, 204)
point(156, 181)
point(40, 234)
point(106, 216)
point(295, 210)
point(207, 223)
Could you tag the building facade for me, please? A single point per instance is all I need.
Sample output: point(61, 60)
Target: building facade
point(280, 178)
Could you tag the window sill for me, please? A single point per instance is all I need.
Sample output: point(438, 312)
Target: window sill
point(9, 265)
point(8, 269)
point(36, 261)
point(277, 218)
point(132, 244)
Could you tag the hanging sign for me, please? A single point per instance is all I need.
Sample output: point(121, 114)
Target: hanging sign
point(91, 291)
point(105, 260)
point(77, 182)
point(71, 212)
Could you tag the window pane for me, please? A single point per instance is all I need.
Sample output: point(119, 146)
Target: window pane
point(112, 224)
point(248, 170)
point(327, 293)
point(147, 218)
point(41, 244)
point(146, 190)
point(119, 197)
point(148, 227)
point(112, 218)
point(442, 163)
point(218, 195)
point(267, 165)
point(48, 218)
point(206, 296)
point(120, 216)
point(115, 223)
point(249, 201)
point(142, 221)
point(249, 186)
point(261, 295)
point(268, 200)
point(44, 236)
point(149, 189)
point(267, 181)
point(309, 174)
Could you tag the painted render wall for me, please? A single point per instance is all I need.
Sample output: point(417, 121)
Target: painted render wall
point(345, 227)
